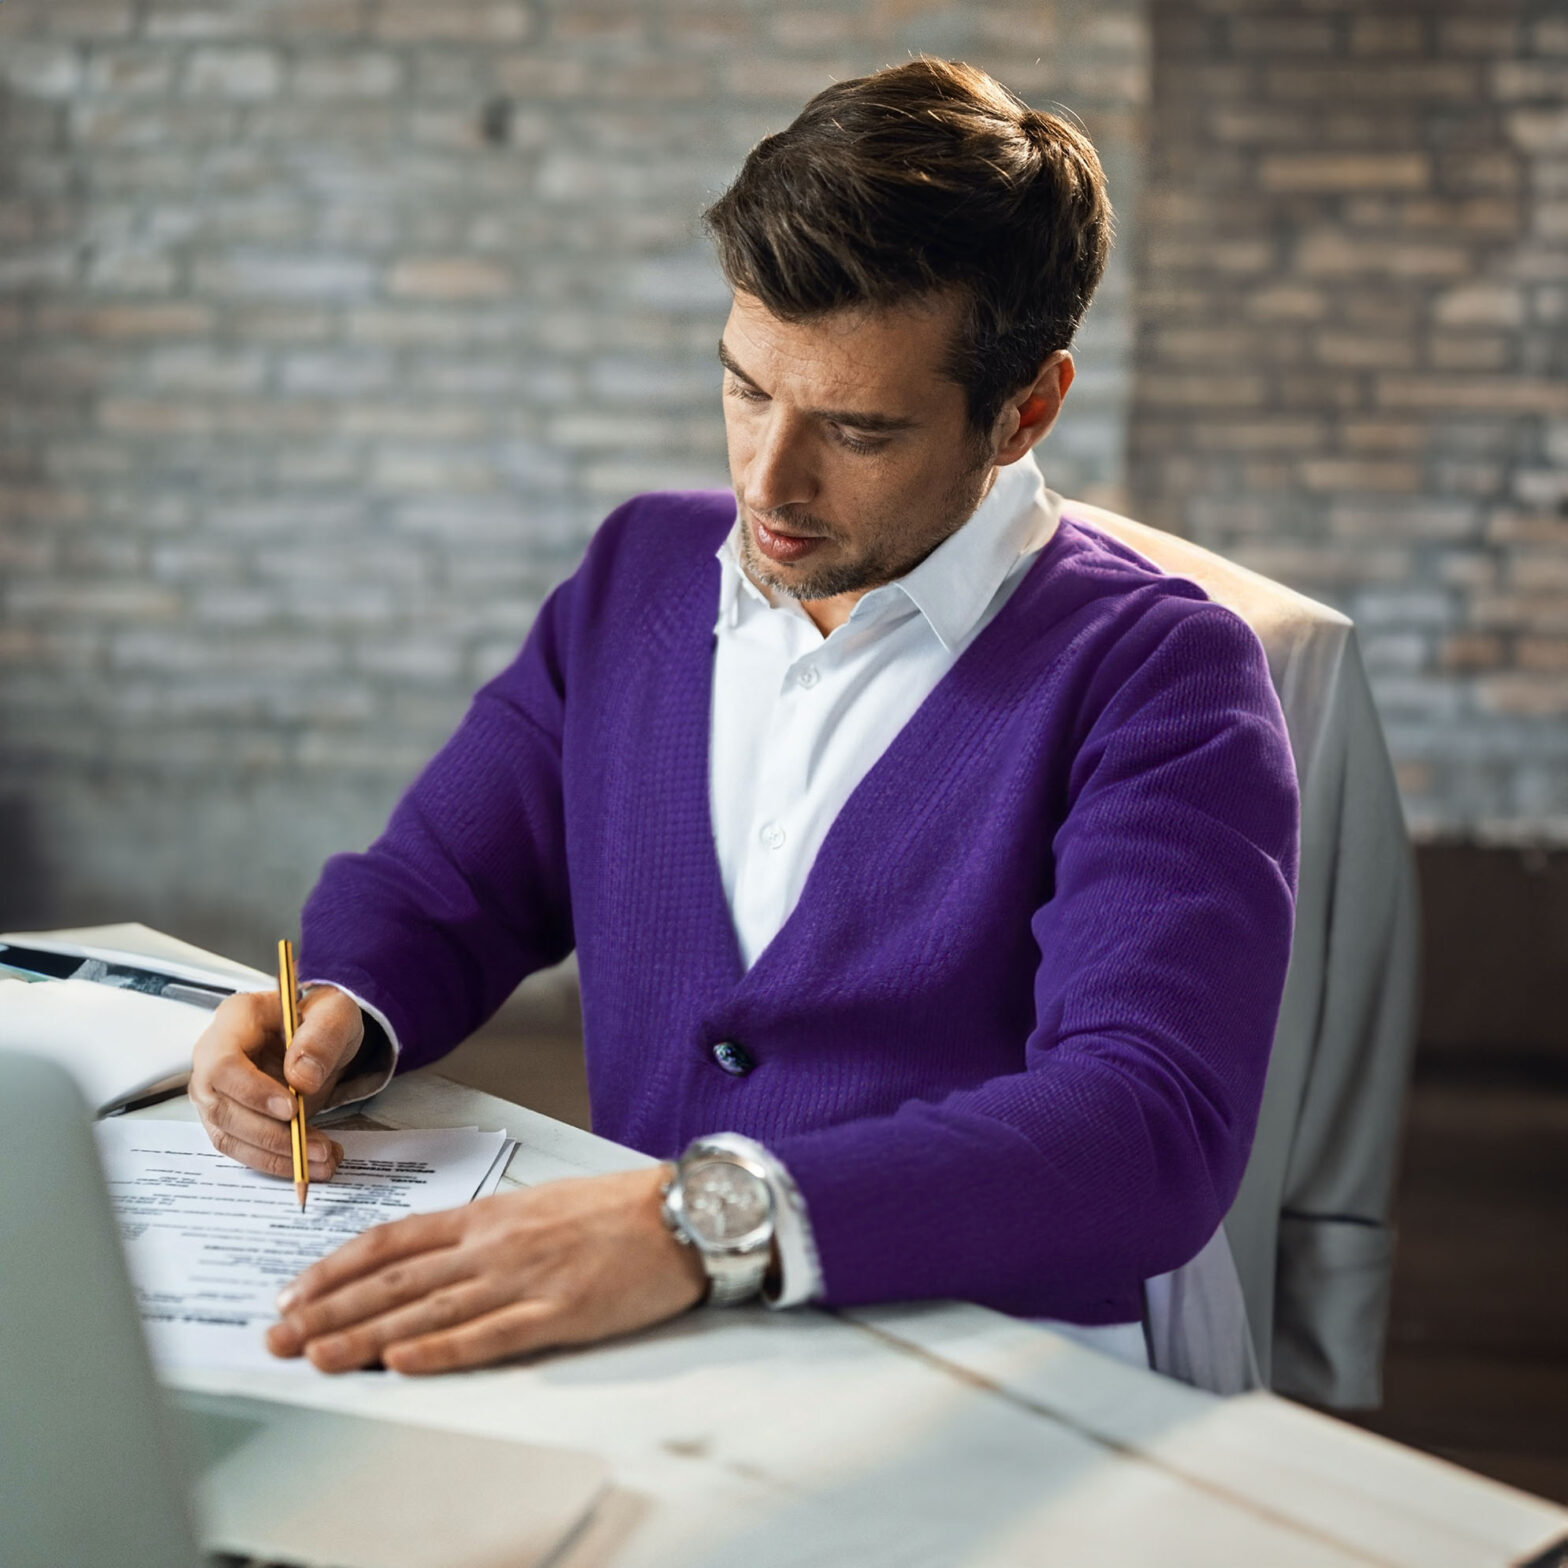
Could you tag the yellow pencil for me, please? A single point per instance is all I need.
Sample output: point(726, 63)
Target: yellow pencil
point(288, 995)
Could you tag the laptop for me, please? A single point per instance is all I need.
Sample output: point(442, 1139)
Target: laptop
point(99, 1468)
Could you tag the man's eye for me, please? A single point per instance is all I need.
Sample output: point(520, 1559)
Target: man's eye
point(745, 393)
point(854, 443)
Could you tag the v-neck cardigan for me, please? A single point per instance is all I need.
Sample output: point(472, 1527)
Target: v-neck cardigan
point(1010, 1043)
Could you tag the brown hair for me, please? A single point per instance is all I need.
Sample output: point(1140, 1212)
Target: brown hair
point(913, 181)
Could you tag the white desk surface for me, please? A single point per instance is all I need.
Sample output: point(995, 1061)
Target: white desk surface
point(932, 1434)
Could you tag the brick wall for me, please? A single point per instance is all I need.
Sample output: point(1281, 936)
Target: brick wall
point(1351, 353)
point(328, 331)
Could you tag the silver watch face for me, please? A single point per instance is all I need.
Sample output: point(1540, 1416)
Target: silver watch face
point(724, 1203)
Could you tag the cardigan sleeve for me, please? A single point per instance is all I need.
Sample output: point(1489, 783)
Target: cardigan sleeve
point(1113, 1154)
point(466, 891)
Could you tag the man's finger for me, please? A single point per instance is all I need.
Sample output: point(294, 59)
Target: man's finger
point(364, 1343)
point(331, 1031)
point(228, 1115)
point(236, 1077)
point(270, 1163)
point(370, 1250)
point(375, 1295)
point(513, 1330)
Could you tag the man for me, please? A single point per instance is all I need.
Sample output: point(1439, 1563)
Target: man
point(947, 875)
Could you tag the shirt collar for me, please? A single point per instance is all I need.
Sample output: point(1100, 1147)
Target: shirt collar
point(734, 584)
point(953, 586)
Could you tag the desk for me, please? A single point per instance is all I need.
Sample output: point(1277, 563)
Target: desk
point(934, 1434)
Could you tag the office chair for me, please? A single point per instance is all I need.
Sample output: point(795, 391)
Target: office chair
point(1309, 1229)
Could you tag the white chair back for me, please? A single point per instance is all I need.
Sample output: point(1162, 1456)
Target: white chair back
point(1309, 1230)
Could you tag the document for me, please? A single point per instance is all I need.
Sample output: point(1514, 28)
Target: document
point(209, 1244)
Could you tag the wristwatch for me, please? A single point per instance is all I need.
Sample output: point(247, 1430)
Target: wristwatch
point(719, 1201)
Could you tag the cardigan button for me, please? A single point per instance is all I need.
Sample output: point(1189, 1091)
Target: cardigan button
point(733, 1058)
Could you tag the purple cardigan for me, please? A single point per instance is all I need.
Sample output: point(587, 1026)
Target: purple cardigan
point(1012, 1040)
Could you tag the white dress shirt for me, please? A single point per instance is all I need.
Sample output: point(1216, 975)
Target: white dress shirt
point(798, 718)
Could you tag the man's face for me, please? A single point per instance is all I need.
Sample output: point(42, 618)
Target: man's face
point(850, 451)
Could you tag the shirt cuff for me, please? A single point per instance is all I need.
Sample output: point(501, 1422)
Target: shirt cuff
point(376, 1061)
point(800, 1271)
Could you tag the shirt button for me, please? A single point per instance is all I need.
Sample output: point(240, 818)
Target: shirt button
point(809, 676)
point(733, 1058)
point(772, 835)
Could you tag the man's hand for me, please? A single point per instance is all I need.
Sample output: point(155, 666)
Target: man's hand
point(562, 1264)
point(238, 1072)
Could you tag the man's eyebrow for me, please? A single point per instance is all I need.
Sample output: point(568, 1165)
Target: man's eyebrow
point(877, 424)
point(727, 359)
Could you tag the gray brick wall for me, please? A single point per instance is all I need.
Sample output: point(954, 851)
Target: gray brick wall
point(1352, 352)
point(328, 331)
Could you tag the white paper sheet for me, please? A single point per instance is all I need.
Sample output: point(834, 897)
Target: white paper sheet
point(117, 1044)
point(209, 1243)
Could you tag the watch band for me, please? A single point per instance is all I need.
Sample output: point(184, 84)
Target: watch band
point(735, 1277)
point(795, 1271)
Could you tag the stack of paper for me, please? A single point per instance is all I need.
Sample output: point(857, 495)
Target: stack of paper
point(118, 1006)
point(209, 1244)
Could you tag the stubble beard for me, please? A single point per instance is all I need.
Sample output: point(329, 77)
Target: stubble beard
point(825, 583)
point(878, 565)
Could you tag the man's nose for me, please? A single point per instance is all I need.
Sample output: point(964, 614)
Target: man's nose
point(780, 471)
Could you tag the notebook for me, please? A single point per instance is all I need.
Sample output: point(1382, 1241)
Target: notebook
point(120, 1006)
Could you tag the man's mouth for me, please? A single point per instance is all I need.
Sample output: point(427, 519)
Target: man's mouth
point(782, 547)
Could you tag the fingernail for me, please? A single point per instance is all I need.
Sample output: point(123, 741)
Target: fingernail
point(286, 1299)
point(307, 1073)
point(279, 1108)
point(319, 1149)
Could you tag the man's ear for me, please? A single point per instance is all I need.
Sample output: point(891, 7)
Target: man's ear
point(1029, 415)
